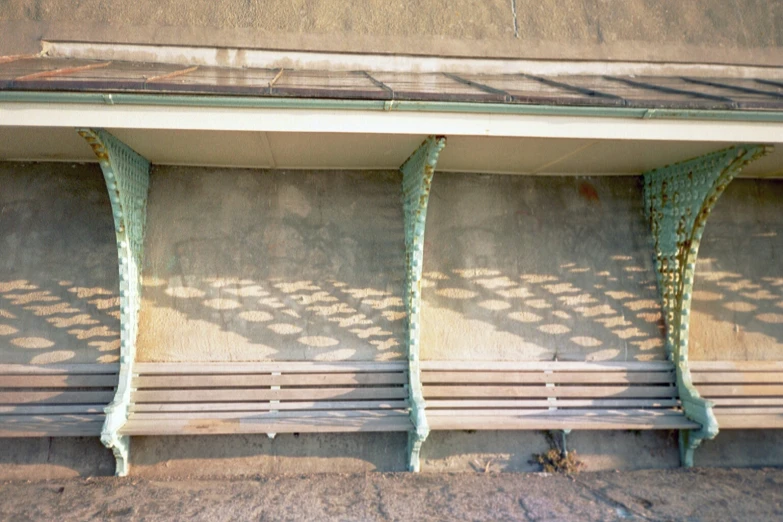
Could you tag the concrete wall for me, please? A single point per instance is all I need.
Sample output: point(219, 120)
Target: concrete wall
point(59, 284)
point(271, 265)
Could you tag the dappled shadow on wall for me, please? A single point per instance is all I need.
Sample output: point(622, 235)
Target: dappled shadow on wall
point(574, 312)
point(56, 321)
point(211, 319)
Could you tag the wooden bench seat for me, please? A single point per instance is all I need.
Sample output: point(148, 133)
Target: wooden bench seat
point(55, 400)
point(745, 394)
point(275, 397)
point(467, 395)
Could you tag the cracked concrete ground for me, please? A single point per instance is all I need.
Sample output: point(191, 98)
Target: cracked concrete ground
point(693, 495)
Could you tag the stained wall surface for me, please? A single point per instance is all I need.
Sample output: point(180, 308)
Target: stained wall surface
point(271, 265)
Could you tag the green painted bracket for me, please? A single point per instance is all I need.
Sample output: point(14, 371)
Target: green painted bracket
point(417, 174)
point(127, 180)
point(678, 200)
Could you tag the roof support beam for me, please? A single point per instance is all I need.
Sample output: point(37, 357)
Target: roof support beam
point(127, 180)
point(417, 173)
point(678, 200)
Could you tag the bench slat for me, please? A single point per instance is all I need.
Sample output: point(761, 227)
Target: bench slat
point(59, 369)
point(483, 377)
point(293, 394)
point(265, 406)
point(560, 403)
point(50, 425)
point(58, 381)
point(544, 422)
point(289, 425)
point(56, 397)
point(578, 366)
point(737, 377)
point(740, 390)
point(738, 366)
point(236, 381)
point(51, 410)
point(572, 413)
point(180, 368)
point(747, 421)
point(746, 401)
point(543, 391)
point(346, 414)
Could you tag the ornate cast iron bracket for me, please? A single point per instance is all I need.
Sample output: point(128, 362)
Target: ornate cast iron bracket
point(417, 174)
point(678, 200)
point(127, 179)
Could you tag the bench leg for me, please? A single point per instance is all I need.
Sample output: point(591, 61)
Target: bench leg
point(415, 441)
point(120, 446)
point(688, 444)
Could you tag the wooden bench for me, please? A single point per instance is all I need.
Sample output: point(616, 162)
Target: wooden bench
point(274, 397)
point(470, 395)
point(745, 394)
point(55, 400)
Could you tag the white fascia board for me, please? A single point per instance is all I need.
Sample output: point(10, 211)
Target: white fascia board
point(384, 122)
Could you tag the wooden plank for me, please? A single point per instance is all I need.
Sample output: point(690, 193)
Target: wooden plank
point(736, 377)
point(179, 368)
point(58, 381)
point(749, 411)
point(571, 413)
point(742, 366)
point(52, 410)
point(747, 401)
point(56, 397)
point(745, 421)
point(265, 406)
point(539, 377)
point(740, 390)
point(433, 392)
point(58, 369)
point(237, 381)
point(291, 394)
point(290, 425)
point(577, 366)
point(664, 422)
point(53, 429)
point(559, 403)
point(271, 416)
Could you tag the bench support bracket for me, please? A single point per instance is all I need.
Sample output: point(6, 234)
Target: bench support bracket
point(678, 200)
point(417, 173)
point(127, 179)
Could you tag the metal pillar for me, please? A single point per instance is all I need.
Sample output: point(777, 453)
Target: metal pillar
point(127, 180)
point(678, 199)
point(417, 174)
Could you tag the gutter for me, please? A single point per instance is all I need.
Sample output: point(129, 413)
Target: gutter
point(234, 102)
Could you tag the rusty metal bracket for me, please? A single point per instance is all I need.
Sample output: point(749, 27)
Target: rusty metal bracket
point(417, 173)
point(127, 180)
point(678, 200)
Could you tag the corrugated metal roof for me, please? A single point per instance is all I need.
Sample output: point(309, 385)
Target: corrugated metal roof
point(63, 74)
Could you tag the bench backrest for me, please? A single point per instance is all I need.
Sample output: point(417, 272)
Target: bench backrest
point(55, 399)
point(544, 385)
point(737, 384)
point(291, 386)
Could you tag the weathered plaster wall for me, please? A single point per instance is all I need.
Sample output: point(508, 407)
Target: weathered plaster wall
point(58, 265)
point(250, 265)
point(538, 268)
point(272, 265)
point(738, 294)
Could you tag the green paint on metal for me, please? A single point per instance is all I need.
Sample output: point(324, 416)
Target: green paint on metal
point(678, 200)
point(417, 173)
point(178, 100)
point(127, 180)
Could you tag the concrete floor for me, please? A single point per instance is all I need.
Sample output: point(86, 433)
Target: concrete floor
point(739, 31)
point(696, 495)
